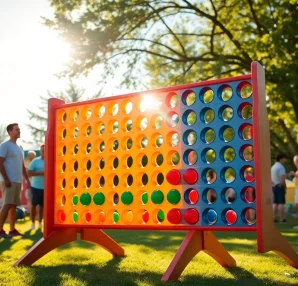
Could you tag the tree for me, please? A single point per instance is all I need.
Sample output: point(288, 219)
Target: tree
point(171, 42)
point(71, 94)
point(3, 133)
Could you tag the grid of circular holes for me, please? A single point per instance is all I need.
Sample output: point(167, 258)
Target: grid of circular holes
point(190, 157)
point(207, 115)
point(207, 135)
point(206, 95)
point(208, 155)
point(157, 159)
point(227, 154)
point(228, 195)
point(225, 92)
point(246, 152)
point(248, 194)
point(188, 97)
point(244, 90)
point(226, 113)
point(173, 158)
point(172, 100)
point(245, 110)
point(247, 173)
point(228, 175)
point(126, 143)
point(245, 131)
point(189, 137)
point(172, 118)
point(226, 133)
point(189, 117)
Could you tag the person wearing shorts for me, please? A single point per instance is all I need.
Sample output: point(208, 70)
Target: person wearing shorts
point(36, 172)
point(12, 170)
point(278, 177)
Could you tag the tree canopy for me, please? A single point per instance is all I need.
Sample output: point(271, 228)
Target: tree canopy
point(167, 42)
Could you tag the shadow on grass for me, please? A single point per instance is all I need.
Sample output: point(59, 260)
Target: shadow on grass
point(112, 274)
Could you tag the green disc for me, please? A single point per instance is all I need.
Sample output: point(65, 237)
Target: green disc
point(144, 198)
point(173, 197)
point(116, 217)
point(127, 198)
point(157, 197)
point(99, 199)
point(75, 200)
point(75, 216)
point(160, 216)
point(85, 199)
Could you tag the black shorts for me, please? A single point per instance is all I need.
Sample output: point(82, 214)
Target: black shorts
point(279, 195)
point(37, 196)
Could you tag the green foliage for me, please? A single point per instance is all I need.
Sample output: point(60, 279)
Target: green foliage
point(3, 133)
point(38, 125)
point(166, 42)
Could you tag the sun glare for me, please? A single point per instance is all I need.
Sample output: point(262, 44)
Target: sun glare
point(149, 102)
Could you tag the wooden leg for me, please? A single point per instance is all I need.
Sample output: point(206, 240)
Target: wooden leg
point(57, 238)
point(194, 242)
point(99, 237)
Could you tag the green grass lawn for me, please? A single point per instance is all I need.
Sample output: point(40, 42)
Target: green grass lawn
point(147, 256)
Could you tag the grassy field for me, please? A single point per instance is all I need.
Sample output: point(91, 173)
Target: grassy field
point(147, 256)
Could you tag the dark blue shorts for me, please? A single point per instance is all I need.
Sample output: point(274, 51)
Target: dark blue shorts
point(37, 196)
point(279, 195)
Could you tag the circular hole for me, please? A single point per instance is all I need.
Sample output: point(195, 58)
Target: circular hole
point(225, 92)
point(228, 195)
point(75, 115)
point(115, 199)
point(247, 173)
point(249, 216)
point(86, 113)
point(248, 194)
point(142, 141)
point(142, 123)
point(175, 139)
point(209, 196)
point(75, 166)
point(226, 133)
point(190, 157)
point(191, 196)
point(157, 159)
point(127, 125)
point(207, 135)
point(64, 117)
point(99, 110)
point(246, 131)
point(63, 150)
point(206, 95)
point(208, 155)
point(113, 109)
point(226, 113)
point(88, 148)
point(76, 132)
point(145, 179)
point(244, 90)
point(189, 137)
point(172, 119)
point(115, 181)
point(245, 110)
point(64, 133)
point(228, 175)
point(173, 158)
point(127, 143)
point(99, 128)
point(157, 121)
point(157, 140)
point(189, 117)
point(207, 115)
point(63, 184)
point(209, 176)
point(159, 179)
point(88, 165)
point(115, 163)
point(227, 154)
point(101, 182)
point(129, 162)
point(246, 152)
point(172, 100)
point(75, 149)
point(188, 97)
point(128, 107)
point(63, 168)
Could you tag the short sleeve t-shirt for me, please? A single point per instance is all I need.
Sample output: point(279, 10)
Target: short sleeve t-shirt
point(13, 162)
point(277, 170)
point(37, 165)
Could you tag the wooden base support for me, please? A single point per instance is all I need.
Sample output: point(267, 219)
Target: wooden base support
point(60, 237)
point(194, 242)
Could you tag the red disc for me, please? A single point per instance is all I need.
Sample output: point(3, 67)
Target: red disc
point(88, 216)
point(174, 216)
point(173, 177)
point(145, 216)
point(191, 216)
point(193, 197)
point(190, 176)
point(231, 216)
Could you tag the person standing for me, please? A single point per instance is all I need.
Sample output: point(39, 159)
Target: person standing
point(295, 174)
point(12, 169)
point(278, 177)
point(36, 171)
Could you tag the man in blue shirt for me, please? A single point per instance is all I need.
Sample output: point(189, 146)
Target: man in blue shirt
point(36, 171)
point(12, 169)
